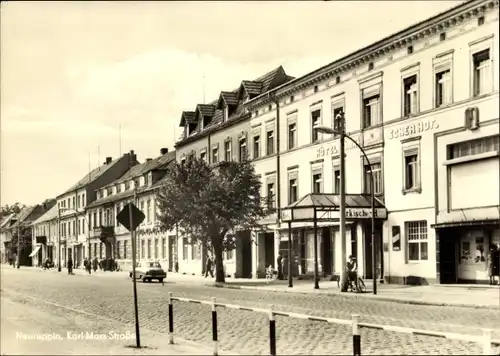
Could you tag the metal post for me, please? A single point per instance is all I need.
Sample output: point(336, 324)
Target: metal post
point(343, 249)
point(18, 244)
point(356, 338)
point(170, 319)
point(214, 327)
point(290, 277)
point(272, 332)
point(316, 273)
point(374, 244)
point(487, 342)
point(88, 240)
point(134, 282)
point(59, 239)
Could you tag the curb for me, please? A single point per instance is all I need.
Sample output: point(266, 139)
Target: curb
point(383, 299)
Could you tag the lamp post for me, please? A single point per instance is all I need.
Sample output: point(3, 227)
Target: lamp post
point(58, 239)
point(340, 119)
point(19, 244)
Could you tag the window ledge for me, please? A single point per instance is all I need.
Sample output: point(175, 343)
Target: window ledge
point(471, 158)
point(417, 190)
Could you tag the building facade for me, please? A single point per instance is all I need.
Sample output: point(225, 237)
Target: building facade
point(216, 132)
point(423, 105)
point(110, 239)
point(45, 237)
point(74, 223)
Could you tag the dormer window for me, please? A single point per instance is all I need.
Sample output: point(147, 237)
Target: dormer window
point(225, 113)
point(127, 185)
point(109, 191)
point(98, 195)
point(118, 188)
point(146, 180)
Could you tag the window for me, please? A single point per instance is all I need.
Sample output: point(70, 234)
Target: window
point(163, 247)
point(149, 249)
point(125, 243)
point(315, 122)
point(215, 155)
point(127, 185)
point(336, 181)
point(410, 85)
point(480, 21)
point(157, 248)
point(292, 99)
point(482, 72)
point(337, 110)
point(337, 79)
point(227, 151)
point(256, 113)
point(416, 233)
point(256, 146)
point(148, 212)
point(371, 111)
point(315, 88)
point(74, 202)
point(185, 248)
point(270, 142)
point(474, 147)
point(78, 202)
point(410, 49)
point(119, 188)
point(292, 190)
point(317, 183)
point(195, 251)
point(225, 113)
point(243, 149)
point(377, 178)
point(118, 245)
point(443, 88)
point(79, 228)
point(292, 135)
point(83, 226)
point(143, 249)
point(203, 156)
point(229, 254)
point(270, 107)
point(83, 200)
point(95, 219)
point(370, 66)
point(411, 170)
point(270, 196)
point(109, 191)
point(74, 227)
point(442, 36)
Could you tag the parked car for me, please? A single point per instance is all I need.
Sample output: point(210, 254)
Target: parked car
point(147, 271)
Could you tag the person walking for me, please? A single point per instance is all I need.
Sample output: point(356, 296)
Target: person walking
point(95, 264)
point(70, 266)
point(208, 268)
point(280, 266)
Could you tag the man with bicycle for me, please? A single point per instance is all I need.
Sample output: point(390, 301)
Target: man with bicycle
point(352, 272)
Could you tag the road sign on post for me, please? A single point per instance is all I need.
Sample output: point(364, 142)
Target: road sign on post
point(123, 217)
point(131, 217)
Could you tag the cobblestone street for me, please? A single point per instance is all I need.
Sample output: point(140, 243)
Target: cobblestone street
point(247, 332)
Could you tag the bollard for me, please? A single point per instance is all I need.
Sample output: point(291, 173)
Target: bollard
point(356, 338)
point(487, 342)
point(272, 332)
point(214, 327)
point(170, 319)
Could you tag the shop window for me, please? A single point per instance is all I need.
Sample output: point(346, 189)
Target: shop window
point(416, 237)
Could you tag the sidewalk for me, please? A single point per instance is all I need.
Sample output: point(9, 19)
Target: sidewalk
point(470, 296)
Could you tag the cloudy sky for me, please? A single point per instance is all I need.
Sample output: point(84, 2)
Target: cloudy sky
point(73, 72)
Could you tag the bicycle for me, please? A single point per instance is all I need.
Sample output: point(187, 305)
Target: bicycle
point(360, 288)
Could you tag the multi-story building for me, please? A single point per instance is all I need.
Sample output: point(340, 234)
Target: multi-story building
point(72, 203)
point(6, 237)
point(423, 105)
point(45, 236)
point(216, 132)
point(108, 238)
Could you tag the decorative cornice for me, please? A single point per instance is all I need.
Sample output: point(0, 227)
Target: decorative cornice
point(404, 38)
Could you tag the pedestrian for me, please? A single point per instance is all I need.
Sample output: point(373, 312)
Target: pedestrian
point(493, 261)
point(208, 268)
point(70, 266)
point(95, 264)
point(88, 265)
point(176, 267)
point(280, 266)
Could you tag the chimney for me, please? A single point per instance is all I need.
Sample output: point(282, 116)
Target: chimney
point(163, 151)
point(108, 160)
point(149, 159)
point(132, 159)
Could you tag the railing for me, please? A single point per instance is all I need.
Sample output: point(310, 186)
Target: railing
point(103, 231)
point(484, 340)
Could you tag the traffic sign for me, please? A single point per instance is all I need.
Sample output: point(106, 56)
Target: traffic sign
point(123, 217)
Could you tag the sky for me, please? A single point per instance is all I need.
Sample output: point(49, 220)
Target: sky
point(73, 73)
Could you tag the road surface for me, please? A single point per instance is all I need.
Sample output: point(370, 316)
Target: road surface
point(246, 332)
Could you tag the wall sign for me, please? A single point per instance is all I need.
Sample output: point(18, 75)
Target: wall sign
point(396, 238)
point(334, 149)
point(411, 129)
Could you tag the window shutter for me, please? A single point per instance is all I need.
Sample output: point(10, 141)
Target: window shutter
point(371, 91)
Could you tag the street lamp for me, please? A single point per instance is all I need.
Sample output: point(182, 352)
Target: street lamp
point(59, 233)
point(340, 119)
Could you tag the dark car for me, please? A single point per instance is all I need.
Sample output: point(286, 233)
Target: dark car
point(147, 271)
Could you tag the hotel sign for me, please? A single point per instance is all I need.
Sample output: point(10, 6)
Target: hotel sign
point(354, 214)
point(411, 129)
point(333, 149)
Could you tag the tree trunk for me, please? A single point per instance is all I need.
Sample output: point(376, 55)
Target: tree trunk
point(219, 265)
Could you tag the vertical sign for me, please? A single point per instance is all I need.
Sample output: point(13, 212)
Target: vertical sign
point(396, 238)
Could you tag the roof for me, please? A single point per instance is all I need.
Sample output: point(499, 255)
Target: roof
point(252, 87)
point(6, 220)
point(111, 198)
point(206, 109)
point(187, 117)
point(90, 177)
point(23, 215)
point(332, 201)
point(49, 215)
point(229, 97)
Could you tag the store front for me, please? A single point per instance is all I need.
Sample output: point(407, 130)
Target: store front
point(464, 250)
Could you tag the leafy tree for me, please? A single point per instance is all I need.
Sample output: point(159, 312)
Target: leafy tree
point(6, 210)
point(210, 204)
point(24, 233)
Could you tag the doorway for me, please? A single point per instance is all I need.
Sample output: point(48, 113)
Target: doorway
point(448, 255)
point(327, 251)
point(246, 254)
point(269, 248)
point(367, 265)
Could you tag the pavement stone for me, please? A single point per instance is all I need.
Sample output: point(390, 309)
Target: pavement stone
point(247, 332)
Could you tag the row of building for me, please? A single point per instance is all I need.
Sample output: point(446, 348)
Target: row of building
point(422, 104)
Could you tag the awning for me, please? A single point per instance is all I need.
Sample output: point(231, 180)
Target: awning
point(468, 223)
point(34, 252)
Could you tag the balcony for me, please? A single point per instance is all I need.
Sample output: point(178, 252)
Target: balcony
point(103, 232)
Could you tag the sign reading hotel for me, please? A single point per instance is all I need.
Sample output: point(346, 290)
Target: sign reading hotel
point(411, 129)
point(332, 149)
